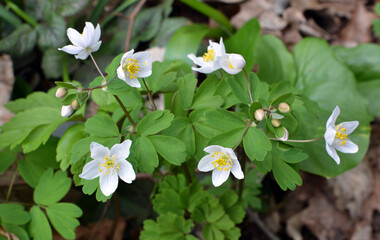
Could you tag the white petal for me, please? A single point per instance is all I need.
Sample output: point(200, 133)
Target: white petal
point(219, 177)
point(213, 148)
point(90, 170)
point(196, 60)
point(142, 57)
point(132, 82)
point(232, 63)
point(217, 48)
point(120, 73)
point(71, 49)
point(121, 151)
point(204, 69)
point(231, 153)
point(75, 37)
point(349, 126)
point(82, 55)
point(126, 172)
point(126, 56)
point(332, 119)
point(98, 151)
point(95, 47)
point(97, 33)
point(88, 34)
point(145, 72)
point(332, 152)
point(349, 147)
point(205, 164)
point(330, 135)
point(66, 111)
point(236, 170)
point(108, 183)
point(222, 48)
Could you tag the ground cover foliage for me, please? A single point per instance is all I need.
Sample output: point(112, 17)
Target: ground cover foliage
point(171, 198)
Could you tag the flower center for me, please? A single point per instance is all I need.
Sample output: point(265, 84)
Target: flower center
point(209, 55)
point(131, 67)
point(222, 161)
point(340, 135)
point(230, 65)
point(108, 165)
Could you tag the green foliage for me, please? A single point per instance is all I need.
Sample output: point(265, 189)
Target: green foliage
point(20, 42)
point(256, 144)
point(176, 154)
point(146, 155)
point(39, 227)
point(101, 125)
point(154, 122)
point(7, 157)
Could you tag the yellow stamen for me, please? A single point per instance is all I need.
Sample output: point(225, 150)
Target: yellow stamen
point(222, 162)
point(340, 135)
point(209, 55)
point(230, 65)
point(131, 67)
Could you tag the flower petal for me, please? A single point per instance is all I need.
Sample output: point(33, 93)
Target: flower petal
point(145, 72)
point(204, 69)
point(98, 151)
point(218, 49)
point(88, 34)
point(330, 135)
point(90, 170)
point(97, 34)
point(196, 60)
point(120, 73)
point(66, 111)
point(332, 119)
point(213, 148)
point(348, 147)
point(121, 151)
point(236, 170)
point(82, 55)
point(126, 56)
point(95, 47)
point(75, 37)
point(222, 48)
point(126, 172)
point(332, 152)
point(219, 177)
point(142, 57)
point(108, 183)
point(132, 82)
point(71, 49)
point(349, 126)
point(205, 164)
point(232, 63)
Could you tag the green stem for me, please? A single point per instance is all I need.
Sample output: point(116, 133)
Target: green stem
point(245, 130)
point(221, 74)
point(96, 65)
point(11, 184)
point(125, 111)
point(249, 86)
point(149, 95)
point(21, 13)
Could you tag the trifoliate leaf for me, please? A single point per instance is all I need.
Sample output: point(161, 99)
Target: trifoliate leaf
point(39, 227)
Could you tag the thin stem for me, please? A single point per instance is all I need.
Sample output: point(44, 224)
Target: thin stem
point(105, 209)
point(249, 86)
point(131, 21)
point(221, 73)
point(125, 111)
point(21, 13)
point(173, 99)
point(149, 95)
point(241, 182)
point(101, 86)
point(187, 173)
point(96, 65)
point(245, 130)
point(11, 184)
point(290, 140)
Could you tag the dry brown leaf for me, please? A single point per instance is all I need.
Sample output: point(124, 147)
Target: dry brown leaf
point(6, 84)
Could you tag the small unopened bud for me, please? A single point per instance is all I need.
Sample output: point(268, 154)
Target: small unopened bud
point(284, 107)
point(276, 122)
point(66, 111)
point(130, 129)
point(285, 136)
point(75, 104)
point(259, 114)
point(61, 92)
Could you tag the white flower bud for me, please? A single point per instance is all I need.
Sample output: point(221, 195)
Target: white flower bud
point(75, 104)
point(285, 136)
point(276, 122)
point(259, 114)
point(232, 63)
point(284, 107)
point(61, 92)
point(66, 111)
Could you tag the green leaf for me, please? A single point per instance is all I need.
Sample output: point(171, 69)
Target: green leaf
point(370, 90)
point(376, 26)
point(63, 217)
point(52, 63)
point(6, 15)
point(228, 139)
point(171, 149)
point(186, 89)
point(15, 214)
point(39, 227)
point(146, 155)
point(182, 129)
point(7, 157)
point(205, 95)
point(19, 42)
point(154, 122)
point(102, 125)
point(67, 8)
point(223, 119)
point(245, 42)
point(67, 141)
point(276, 63)
point(162, 77)
point(256, 144)
point(52, 33)
point(52, 187)
point(147, 23)
point(294, 155)
point(17, 231)
point(185, 41)
point(285, 175)
point(168, 27)
point(40, 135)
point(45, 154)
point(34, 100)
point(30, 172)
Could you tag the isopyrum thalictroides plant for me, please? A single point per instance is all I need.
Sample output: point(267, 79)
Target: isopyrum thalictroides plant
point(234, 121)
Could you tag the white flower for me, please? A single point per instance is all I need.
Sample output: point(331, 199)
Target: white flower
point(221, 161)
point(336, 136)
point(108, 165)
point(211, 59)
point(66, 110)
point(232, 63)
point(83, 43)
point(133, 66)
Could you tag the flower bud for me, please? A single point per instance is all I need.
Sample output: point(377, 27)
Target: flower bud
point(61, 92)
point(130, 129)
point(284, 107)
point(285, 136)
point(232, 63)
point(104, 89)
point(276, 122)
point(259, 114)
point(66, 111)
point(75, 104)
